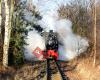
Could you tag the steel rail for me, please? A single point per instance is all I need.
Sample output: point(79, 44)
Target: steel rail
point(49, 75)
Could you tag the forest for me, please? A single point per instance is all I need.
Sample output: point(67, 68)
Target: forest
point(19, 17)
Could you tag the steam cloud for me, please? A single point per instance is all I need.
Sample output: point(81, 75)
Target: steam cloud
point(71, 45)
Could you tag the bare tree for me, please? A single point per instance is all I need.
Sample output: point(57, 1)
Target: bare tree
point(78, 12)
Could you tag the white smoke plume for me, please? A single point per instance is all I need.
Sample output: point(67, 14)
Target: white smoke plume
point(33, 40)
point(71, 45)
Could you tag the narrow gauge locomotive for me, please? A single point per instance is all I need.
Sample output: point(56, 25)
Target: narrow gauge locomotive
point(51, 42)
point(52, 45)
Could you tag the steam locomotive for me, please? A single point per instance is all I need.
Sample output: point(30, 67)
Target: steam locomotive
point(52, 45)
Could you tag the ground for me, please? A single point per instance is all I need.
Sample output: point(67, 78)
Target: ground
point(84, 71)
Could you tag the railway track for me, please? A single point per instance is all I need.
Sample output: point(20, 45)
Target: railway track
point(54, 71)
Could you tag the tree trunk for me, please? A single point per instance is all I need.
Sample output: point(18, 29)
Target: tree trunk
point(6, 35)
point(0, 17)
point(94, 21)
point(9, 13)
